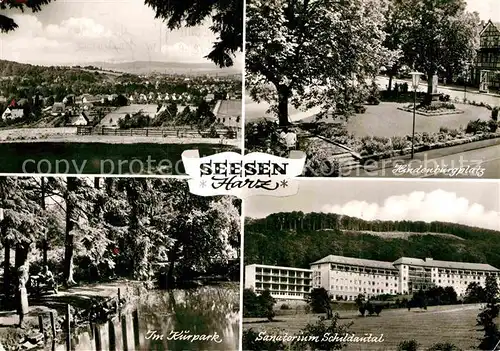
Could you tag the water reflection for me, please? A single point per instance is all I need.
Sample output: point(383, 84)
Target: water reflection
point(208, 312)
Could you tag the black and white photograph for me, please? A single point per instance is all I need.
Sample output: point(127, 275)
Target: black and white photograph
point(385, 265)
point(375, 88)
point(118, 87)
point(117, 264)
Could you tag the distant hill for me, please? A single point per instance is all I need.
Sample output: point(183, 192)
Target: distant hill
point(147, 67)
point(12, 68)
point(296, 239)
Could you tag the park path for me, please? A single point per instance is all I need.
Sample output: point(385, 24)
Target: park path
point(78, 294)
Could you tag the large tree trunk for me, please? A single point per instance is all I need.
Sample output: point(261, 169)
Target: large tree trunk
point(69, 238)
point(283, 98)
point(6, 270)
point(389, 87)
point(22, 266)
point(45, 246)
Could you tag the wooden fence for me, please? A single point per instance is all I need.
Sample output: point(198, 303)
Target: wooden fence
point(174, 132)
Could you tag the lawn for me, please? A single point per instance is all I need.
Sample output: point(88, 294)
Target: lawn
point(99, 158)
point(385, 120)
point(453, 324)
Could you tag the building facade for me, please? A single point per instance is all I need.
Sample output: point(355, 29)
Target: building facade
point(282, 282)
point(487, 69)
point(345, 277)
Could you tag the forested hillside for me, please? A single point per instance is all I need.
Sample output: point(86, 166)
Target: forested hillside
point(297, 239)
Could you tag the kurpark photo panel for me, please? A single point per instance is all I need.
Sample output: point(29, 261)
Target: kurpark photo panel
point(375, 88)
point(118, 87)
point(117, 264)
point(371, 264)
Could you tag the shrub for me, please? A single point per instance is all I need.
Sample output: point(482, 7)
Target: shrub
point(373, 100)
point(362, 310)
point(443, 347)
point(319, 163)
point(477, 126)
point(492, 125)
point(408, 345)
point(444, 130)
point(359, 109)
point(378, 309)
point(285, 307)
point(494, 113)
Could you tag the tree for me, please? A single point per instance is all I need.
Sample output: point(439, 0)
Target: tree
point(267, 304)
point(491, 289)
point(227, 23)
point(7, 24)
point(440, 36)
point(312, 53)
point(22, 226)
point(320, 302)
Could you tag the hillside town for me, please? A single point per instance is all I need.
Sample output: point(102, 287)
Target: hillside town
point(47, 97)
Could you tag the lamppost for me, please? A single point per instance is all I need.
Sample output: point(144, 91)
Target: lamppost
point(415, 80)
point(466, 80)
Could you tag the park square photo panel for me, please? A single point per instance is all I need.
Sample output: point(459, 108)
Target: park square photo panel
point(375, 88)
point(117, 264)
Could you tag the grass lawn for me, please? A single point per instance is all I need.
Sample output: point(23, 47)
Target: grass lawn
point(385, 120)
point(99, 158)
point(453, 324)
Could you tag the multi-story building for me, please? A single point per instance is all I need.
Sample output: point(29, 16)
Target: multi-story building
point(486, 70)
point(346, 277)
point(282, 282)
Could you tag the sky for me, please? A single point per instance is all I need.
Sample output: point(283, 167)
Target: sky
point(474, 203)
point(76, 31)
point(488, 9)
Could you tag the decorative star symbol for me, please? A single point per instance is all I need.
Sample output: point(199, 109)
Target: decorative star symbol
point(284, 183)
point(203, 183)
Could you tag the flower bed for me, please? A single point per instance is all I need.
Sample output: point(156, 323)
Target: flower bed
point(436, 109)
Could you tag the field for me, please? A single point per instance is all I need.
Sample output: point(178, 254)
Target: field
point(453, 324)
point(99, 158)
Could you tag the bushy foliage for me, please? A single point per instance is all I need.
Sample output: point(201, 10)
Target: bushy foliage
point(443, 347)
point(258, 305)
point(478, 126)
point(408, 345)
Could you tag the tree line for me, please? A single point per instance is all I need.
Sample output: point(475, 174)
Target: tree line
point(296, 239)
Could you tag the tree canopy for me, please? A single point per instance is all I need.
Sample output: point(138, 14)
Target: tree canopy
point(313, 53)
point(227, 22)
point(7, 23)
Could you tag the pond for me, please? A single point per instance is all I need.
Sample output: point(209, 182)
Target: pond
point(207, 312)
point(99, 158)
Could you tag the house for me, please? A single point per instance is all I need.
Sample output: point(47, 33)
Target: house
point(228, 112)
point(12, 113)
point(81, 119)
point(87, 98)
point(58, 109)
point(210, 97)
point(486, 71)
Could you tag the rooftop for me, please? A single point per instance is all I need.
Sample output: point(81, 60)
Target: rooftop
point(355, 262)
point(445, 264)
point(278, 267)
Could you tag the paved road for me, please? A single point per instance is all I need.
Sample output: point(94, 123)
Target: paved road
point(478, 160)
point(472, 94)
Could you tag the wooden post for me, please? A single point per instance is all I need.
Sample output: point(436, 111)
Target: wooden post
point(124, 333)
point(97, 336)
point(68, 328)
point(112, 336)
point(40, 323)
point(135, 323)
point(52, 324)
point(119, 297)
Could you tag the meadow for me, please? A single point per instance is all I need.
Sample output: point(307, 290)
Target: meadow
point(454, 324)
